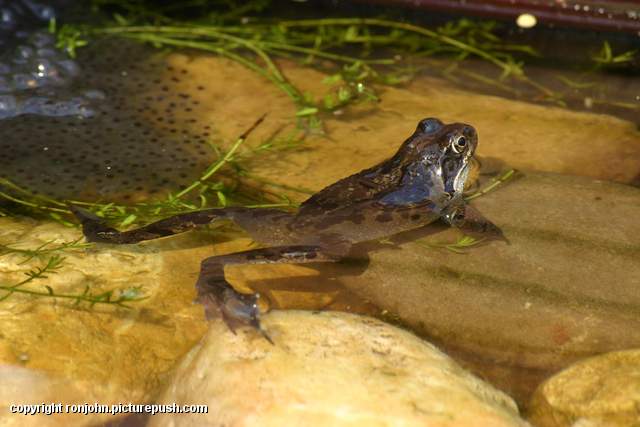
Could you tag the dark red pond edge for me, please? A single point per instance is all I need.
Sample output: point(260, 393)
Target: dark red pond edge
point(613, 16)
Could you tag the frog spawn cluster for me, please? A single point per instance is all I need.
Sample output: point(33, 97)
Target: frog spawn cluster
point(129, 135)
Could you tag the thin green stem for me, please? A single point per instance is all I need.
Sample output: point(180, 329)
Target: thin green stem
point(216, 166)
point(397, 25)
point(495, 182)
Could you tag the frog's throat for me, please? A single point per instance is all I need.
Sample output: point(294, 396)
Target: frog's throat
point(460, 179)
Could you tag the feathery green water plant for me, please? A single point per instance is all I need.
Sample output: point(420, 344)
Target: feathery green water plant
point(119, 298)
point(43, 250)
point(351, 46)
point(606, 58)
point(251, 34)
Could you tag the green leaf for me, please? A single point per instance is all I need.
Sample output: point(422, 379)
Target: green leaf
point(128, 220)
point(120, 19)
point(351, 34)
point(307, 111)
point(221, 198)
point(344, 94)
point(52, 25)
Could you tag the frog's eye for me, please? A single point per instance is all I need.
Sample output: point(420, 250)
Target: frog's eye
point(459, 144)
point(430, 125)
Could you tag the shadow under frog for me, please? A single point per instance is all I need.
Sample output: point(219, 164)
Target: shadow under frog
point(419, 187)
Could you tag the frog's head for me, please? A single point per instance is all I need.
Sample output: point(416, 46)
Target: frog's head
point(443, 151)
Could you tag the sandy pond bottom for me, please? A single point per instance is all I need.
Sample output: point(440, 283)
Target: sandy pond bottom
point(565, 289)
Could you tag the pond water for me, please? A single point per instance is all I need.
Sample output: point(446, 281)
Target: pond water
point(122, 125)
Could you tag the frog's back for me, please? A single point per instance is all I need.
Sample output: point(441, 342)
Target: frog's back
point(369, 184)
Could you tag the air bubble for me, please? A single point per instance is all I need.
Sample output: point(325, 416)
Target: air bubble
point(44, 68)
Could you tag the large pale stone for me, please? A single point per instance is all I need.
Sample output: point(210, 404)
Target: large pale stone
point(329, 369)
point(600, 391)
point(24, 387)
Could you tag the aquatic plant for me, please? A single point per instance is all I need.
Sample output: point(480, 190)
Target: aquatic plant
point(53, 263)
point(44, 249)
point(359, 52)
point(349, 47)
point(606, 58)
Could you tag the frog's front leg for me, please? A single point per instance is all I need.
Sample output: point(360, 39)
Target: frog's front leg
point(472, 222)
point(236, 309)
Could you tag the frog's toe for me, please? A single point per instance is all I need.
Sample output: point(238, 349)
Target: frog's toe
point(503, 238)
point(84, 215)
point(236, 310)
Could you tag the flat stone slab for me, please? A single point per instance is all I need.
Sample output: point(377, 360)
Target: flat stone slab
point(567, 287)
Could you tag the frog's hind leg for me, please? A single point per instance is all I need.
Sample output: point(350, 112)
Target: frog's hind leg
point(95, 229)
point(236, 309)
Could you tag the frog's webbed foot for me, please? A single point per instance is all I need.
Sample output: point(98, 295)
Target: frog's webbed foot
point(235, 309)
point(220, 299)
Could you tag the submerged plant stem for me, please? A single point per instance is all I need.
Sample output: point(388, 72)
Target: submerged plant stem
point(495, 182)
point(400, 26)
point(216, 166)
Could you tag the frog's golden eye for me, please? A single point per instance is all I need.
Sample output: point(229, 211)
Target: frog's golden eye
point(459, 144)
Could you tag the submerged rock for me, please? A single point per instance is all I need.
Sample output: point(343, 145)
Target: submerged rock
point(329, 369)
point(600, 391)
point(41, 401)
point(110, 354)
point(565, 288)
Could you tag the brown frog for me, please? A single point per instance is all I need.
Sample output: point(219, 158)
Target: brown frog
point(422, 183)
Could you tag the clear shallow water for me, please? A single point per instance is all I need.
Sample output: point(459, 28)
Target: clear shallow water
point(513, 314)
